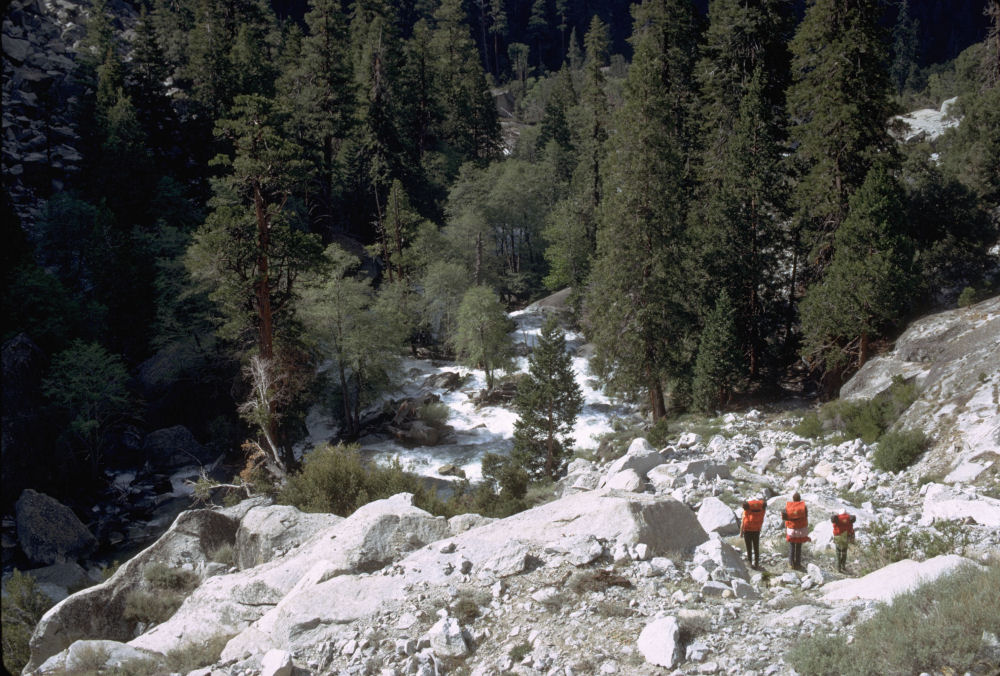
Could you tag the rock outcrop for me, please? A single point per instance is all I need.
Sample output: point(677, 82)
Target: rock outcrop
point(954, 359)
point(99, 612)
point(48, 531)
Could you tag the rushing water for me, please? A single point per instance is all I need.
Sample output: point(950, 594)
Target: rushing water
point(476, 430)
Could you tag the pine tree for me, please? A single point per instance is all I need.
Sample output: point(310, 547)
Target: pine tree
point(319, 86)
point(251, 251)
point(867, 284)
point(470, 121)
point(481, 340)
point(742, 74)
point(637, 307)
point(548, 402)
point(719, 365)
point(839, 99)
point(737, 227)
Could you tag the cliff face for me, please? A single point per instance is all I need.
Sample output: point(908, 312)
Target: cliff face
point(954, 359)
point(41, 96)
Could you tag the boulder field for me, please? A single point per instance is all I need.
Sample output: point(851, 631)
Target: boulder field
point(602, 579)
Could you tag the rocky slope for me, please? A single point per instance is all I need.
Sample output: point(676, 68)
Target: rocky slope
point(629, 570)
point(954, 359)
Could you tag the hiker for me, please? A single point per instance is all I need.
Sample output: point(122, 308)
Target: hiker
point(753, 519)
point(843, 535)
point(796, 518)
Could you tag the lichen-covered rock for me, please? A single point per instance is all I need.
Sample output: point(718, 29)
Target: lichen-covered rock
point(99, 612)
point(48, 531)
point(273, 530)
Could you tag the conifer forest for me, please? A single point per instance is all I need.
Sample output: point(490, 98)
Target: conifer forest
point(278, 198)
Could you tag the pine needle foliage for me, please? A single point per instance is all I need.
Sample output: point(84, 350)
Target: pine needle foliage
point(548, 402)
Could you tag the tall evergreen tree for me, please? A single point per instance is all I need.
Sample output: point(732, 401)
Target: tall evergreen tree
point(719, 365)
point(743, 73)
point(637, 308)
point(867, 284)
point(470, 121)
point(548, 402)
point(319, 85)
point(572, 223)
point(251, 252)
point(839, 100)
point(737, 227)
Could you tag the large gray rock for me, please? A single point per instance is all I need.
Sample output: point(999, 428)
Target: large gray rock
point(640, 458)
point(715, 515)
point(946, 504)
point(272, 530)
point(276, 663)
point(715, 555)
point(174, 447)
point(48, 531)
point(954, 359)
point(99, 612)
point(374, 536)
point(324, 598)
point(885, 584)
point(659, 642)
point(446, 638)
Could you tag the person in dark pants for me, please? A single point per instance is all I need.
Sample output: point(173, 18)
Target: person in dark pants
point(843, 535)
point(796, 518)
point(753, 520)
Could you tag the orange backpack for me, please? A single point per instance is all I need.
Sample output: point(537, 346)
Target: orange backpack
point(843, 523)
point(795, 515)
point(753, 516)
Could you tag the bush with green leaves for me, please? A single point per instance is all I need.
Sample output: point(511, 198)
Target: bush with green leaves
point(336, 480)
point(197, 655)
point(868, 419)
point(434, 414)
point(883, 544)
point(166, 589)
point(88, 384)
point(936, 628)
point(23, 605)
point(659, 434)
point(810, 427)
point(899, 449)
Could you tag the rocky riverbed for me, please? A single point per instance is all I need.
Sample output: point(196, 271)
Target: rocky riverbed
point(630, 569)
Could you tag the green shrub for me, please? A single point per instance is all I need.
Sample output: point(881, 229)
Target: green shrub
point(168, 587)
point(434, 414)
point(151, 607)
point(336, 480)
point(223, 554)
point(520, 651)
point(936, 628)
point(23, 605)
point(967, 297)
point(810, 427)
point(898, 450)
point(163, 577)
point(883, 545)
point(658, 434)
point(868, 419)
point(197, 655)
point(597, 581)
point(90, 658)
point(465, 609)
